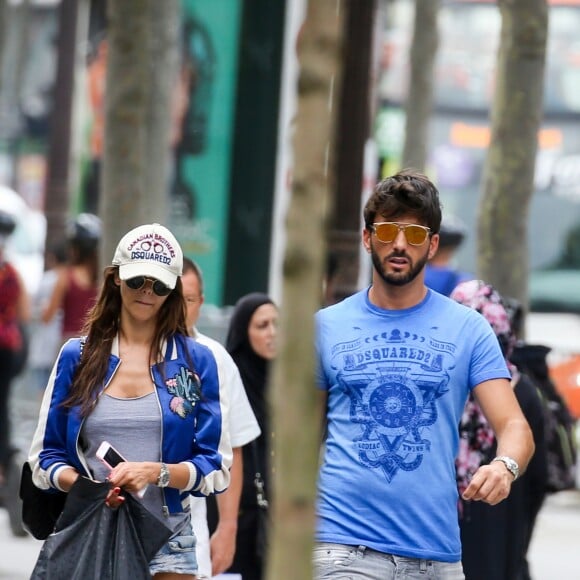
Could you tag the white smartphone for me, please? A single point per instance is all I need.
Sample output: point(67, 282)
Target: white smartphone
point(109, 455)
point(111, 458)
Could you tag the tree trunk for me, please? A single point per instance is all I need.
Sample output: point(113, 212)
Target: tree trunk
point(420, 97)
point(354, 125)
point(295, 415)
point(58, 162)
point(14, 41)
point(142, 48)
point(508, 176)
point(3, 28)
point(163, 74)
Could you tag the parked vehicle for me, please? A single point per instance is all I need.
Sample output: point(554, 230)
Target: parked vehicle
point(25, 247)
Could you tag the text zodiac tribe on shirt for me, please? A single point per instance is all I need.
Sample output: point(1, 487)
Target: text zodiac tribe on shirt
point(393, 380)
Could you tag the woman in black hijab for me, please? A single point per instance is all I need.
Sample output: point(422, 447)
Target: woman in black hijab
point(252, 358)
point(251, 341)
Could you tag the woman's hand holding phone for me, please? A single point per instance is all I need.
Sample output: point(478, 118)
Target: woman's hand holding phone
point(130, 475)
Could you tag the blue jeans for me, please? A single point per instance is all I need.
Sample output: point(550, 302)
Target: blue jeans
point(360, 563)
point(177, 556)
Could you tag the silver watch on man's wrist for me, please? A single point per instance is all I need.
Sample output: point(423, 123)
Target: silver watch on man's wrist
point(511, 464)
point(163, 479)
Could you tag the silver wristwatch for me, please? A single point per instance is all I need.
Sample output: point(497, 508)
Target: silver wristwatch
point(511, 464)
point(163, 479)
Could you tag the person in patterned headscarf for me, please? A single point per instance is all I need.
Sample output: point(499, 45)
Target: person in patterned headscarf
point(495, 539)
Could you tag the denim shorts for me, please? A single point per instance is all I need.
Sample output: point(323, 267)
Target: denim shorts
point(177, 556)
point(362, 563)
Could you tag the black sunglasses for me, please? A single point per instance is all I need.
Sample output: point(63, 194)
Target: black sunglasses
point(139, 281)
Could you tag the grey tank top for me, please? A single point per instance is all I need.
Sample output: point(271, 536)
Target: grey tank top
point(133, 428)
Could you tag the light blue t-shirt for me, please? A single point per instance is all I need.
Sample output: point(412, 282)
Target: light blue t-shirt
point(397, 383)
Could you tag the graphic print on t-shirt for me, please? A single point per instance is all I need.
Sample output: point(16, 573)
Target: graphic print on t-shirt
point(393, 380)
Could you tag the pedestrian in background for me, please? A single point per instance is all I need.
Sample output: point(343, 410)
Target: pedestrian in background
point(397, 362)
point(46, 338)
point(495, 538)
point(76, 287)
point(143, 384)
point(14, 314)
point(217, 555)
point(441, 273)
point(251, 342)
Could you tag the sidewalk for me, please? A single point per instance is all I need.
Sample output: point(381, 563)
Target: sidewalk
point(18, 554)
point(554, 549)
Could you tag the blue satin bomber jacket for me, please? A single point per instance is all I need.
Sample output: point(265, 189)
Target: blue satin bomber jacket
point(193, 420)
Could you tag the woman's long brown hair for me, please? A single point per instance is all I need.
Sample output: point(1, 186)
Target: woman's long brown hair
point(101, 327)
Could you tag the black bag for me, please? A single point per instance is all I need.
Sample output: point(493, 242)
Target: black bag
point(40, 509)
point(92, 541)
point(559, 424)
point(263, 522)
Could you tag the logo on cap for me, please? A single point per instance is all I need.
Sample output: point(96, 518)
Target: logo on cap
point(152, 247)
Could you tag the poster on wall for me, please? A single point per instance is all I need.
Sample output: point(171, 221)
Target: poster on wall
point(201, 171)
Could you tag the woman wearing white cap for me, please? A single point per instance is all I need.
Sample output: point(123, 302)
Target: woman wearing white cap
point(140, 383)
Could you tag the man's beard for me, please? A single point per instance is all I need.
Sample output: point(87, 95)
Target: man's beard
point(398, 278)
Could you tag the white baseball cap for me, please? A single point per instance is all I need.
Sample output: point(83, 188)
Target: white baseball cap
point(150, 250)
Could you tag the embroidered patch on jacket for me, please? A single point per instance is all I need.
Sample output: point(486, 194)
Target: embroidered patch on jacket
point(185, 387)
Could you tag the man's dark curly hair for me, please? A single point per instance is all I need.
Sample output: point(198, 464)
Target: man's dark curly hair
point(406, 192)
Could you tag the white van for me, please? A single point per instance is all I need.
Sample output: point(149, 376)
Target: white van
point(25, 247)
